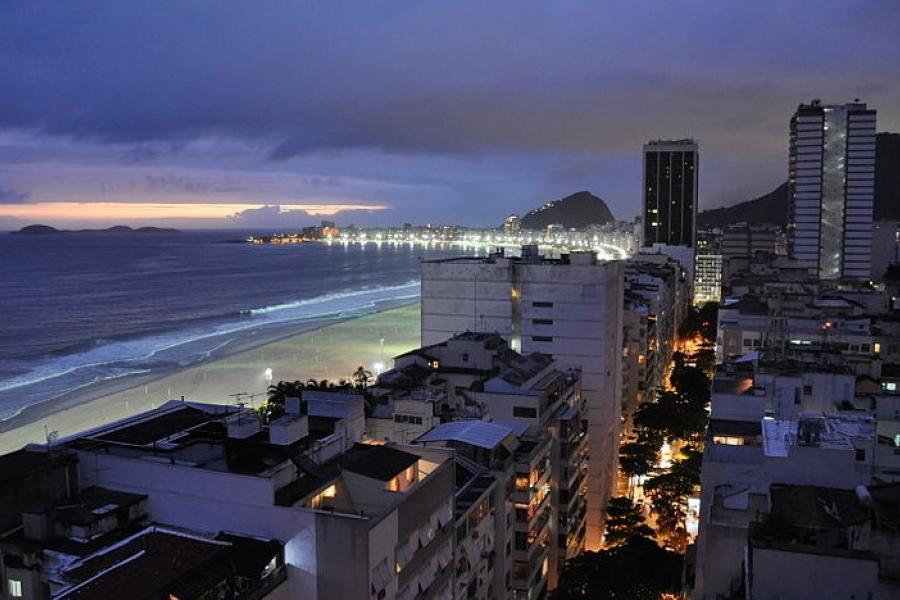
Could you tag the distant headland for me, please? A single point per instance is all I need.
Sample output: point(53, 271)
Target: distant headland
point(48, 230)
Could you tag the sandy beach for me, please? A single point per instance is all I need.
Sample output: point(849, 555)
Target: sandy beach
point(330, 351)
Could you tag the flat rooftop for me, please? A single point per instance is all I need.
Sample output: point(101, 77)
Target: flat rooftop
point(161, 562)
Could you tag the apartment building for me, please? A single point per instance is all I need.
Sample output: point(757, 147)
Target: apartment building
point(707, 278)
point(569, 307)
point(352, 520)
point(476, 378)
point(524, 523)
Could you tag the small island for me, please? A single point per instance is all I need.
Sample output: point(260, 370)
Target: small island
point(48, 230)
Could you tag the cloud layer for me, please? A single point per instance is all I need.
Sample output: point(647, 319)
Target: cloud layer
point(467, 100)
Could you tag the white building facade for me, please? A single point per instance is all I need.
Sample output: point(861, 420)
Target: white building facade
point(570, 308)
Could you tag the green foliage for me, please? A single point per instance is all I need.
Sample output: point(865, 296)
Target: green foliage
point(672, 417)
point(668, 492)
point(361, 377)
point(624, 521)
point(705, 358)
point(636, 570)
point(276, 395)
point(638, 457)
point(279, 392)
point(691, 382)
point(709, 321)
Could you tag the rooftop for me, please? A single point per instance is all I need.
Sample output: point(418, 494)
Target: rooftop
point(28, 460)
point(161, 562)
point(377, 461)
point(482, 434)
point(95, 503)
point(832, 431)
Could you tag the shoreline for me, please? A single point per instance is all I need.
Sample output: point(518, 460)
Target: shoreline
point(97, 390)
point(298, 351)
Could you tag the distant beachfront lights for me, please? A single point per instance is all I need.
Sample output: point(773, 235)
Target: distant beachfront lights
point(268, 375)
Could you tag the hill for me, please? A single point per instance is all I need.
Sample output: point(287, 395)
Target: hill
point(576, 211)
point(36, 230)
point(772, 207)
point(48, 230)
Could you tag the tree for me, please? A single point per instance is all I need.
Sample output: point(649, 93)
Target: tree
point(638, 457)
point(705, 358)
point(361, 377)
point(637, 570)
point(668, 492)
point(673, 416)
point(276, 396)
point(690, 382)
point(624, 521)
point(709, 320)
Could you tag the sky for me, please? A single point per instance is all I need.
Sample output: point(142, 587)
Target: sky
point(279, 114)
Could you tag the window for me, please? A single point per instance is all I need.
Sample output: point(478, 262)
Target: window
point(807, 390)
point(464, 356)
point(860, 454)
point(541, 338)
point(524, 412)
point(15, 588)
point(542, 321)
point(408, 419)
point(542, 304)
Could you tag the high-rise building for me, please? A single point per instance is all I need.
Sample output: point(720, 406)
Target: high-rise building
point(570, 308)
point(708, 279)
point(832, 186)
point(670, 193)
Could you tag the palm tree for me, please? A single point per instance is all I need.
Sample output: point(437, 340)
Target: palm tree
point(361, 377)
point(276, 396)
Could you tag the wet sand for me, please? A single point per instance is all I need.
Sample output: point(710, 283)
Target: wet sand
point(328, 351)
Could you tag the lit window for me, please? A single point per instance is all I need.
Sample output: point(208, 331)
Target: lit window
point(15, 588)
point(330, 491)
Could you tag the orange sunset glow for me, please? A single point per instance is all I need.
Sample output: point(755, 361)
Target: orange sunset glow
point(93, 211)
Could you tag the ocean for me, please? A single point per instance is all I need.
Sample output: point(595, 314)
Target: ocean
point(79, 309)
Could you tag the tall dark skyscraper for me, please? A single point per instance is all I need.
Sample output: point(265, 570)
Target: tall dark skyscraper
point(832, 188)
point(670, 192)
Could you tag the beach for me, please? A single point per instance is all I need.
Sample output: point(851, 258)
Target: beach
point(324, 350)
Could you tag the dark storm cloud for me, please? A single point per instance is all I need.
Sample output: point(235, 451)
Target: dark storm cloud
point(539, 99)
point(428, 77)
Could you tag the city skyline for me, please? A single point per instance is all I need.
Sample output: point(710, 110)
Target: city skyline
point(444, 114)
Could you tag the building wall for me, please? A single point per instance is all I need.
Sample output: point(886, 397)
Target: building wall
point(831, 180)
point(781, 574)
point(583, 304)
point(670, 193)
point(212, 501)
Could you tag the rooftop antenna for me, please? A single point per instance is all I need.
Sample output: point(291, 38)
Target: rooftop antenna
point(238, 397)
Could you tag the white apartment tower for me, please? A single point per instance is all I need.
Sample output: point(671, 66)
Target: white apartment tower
point(832, 186)
point(570, 308)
